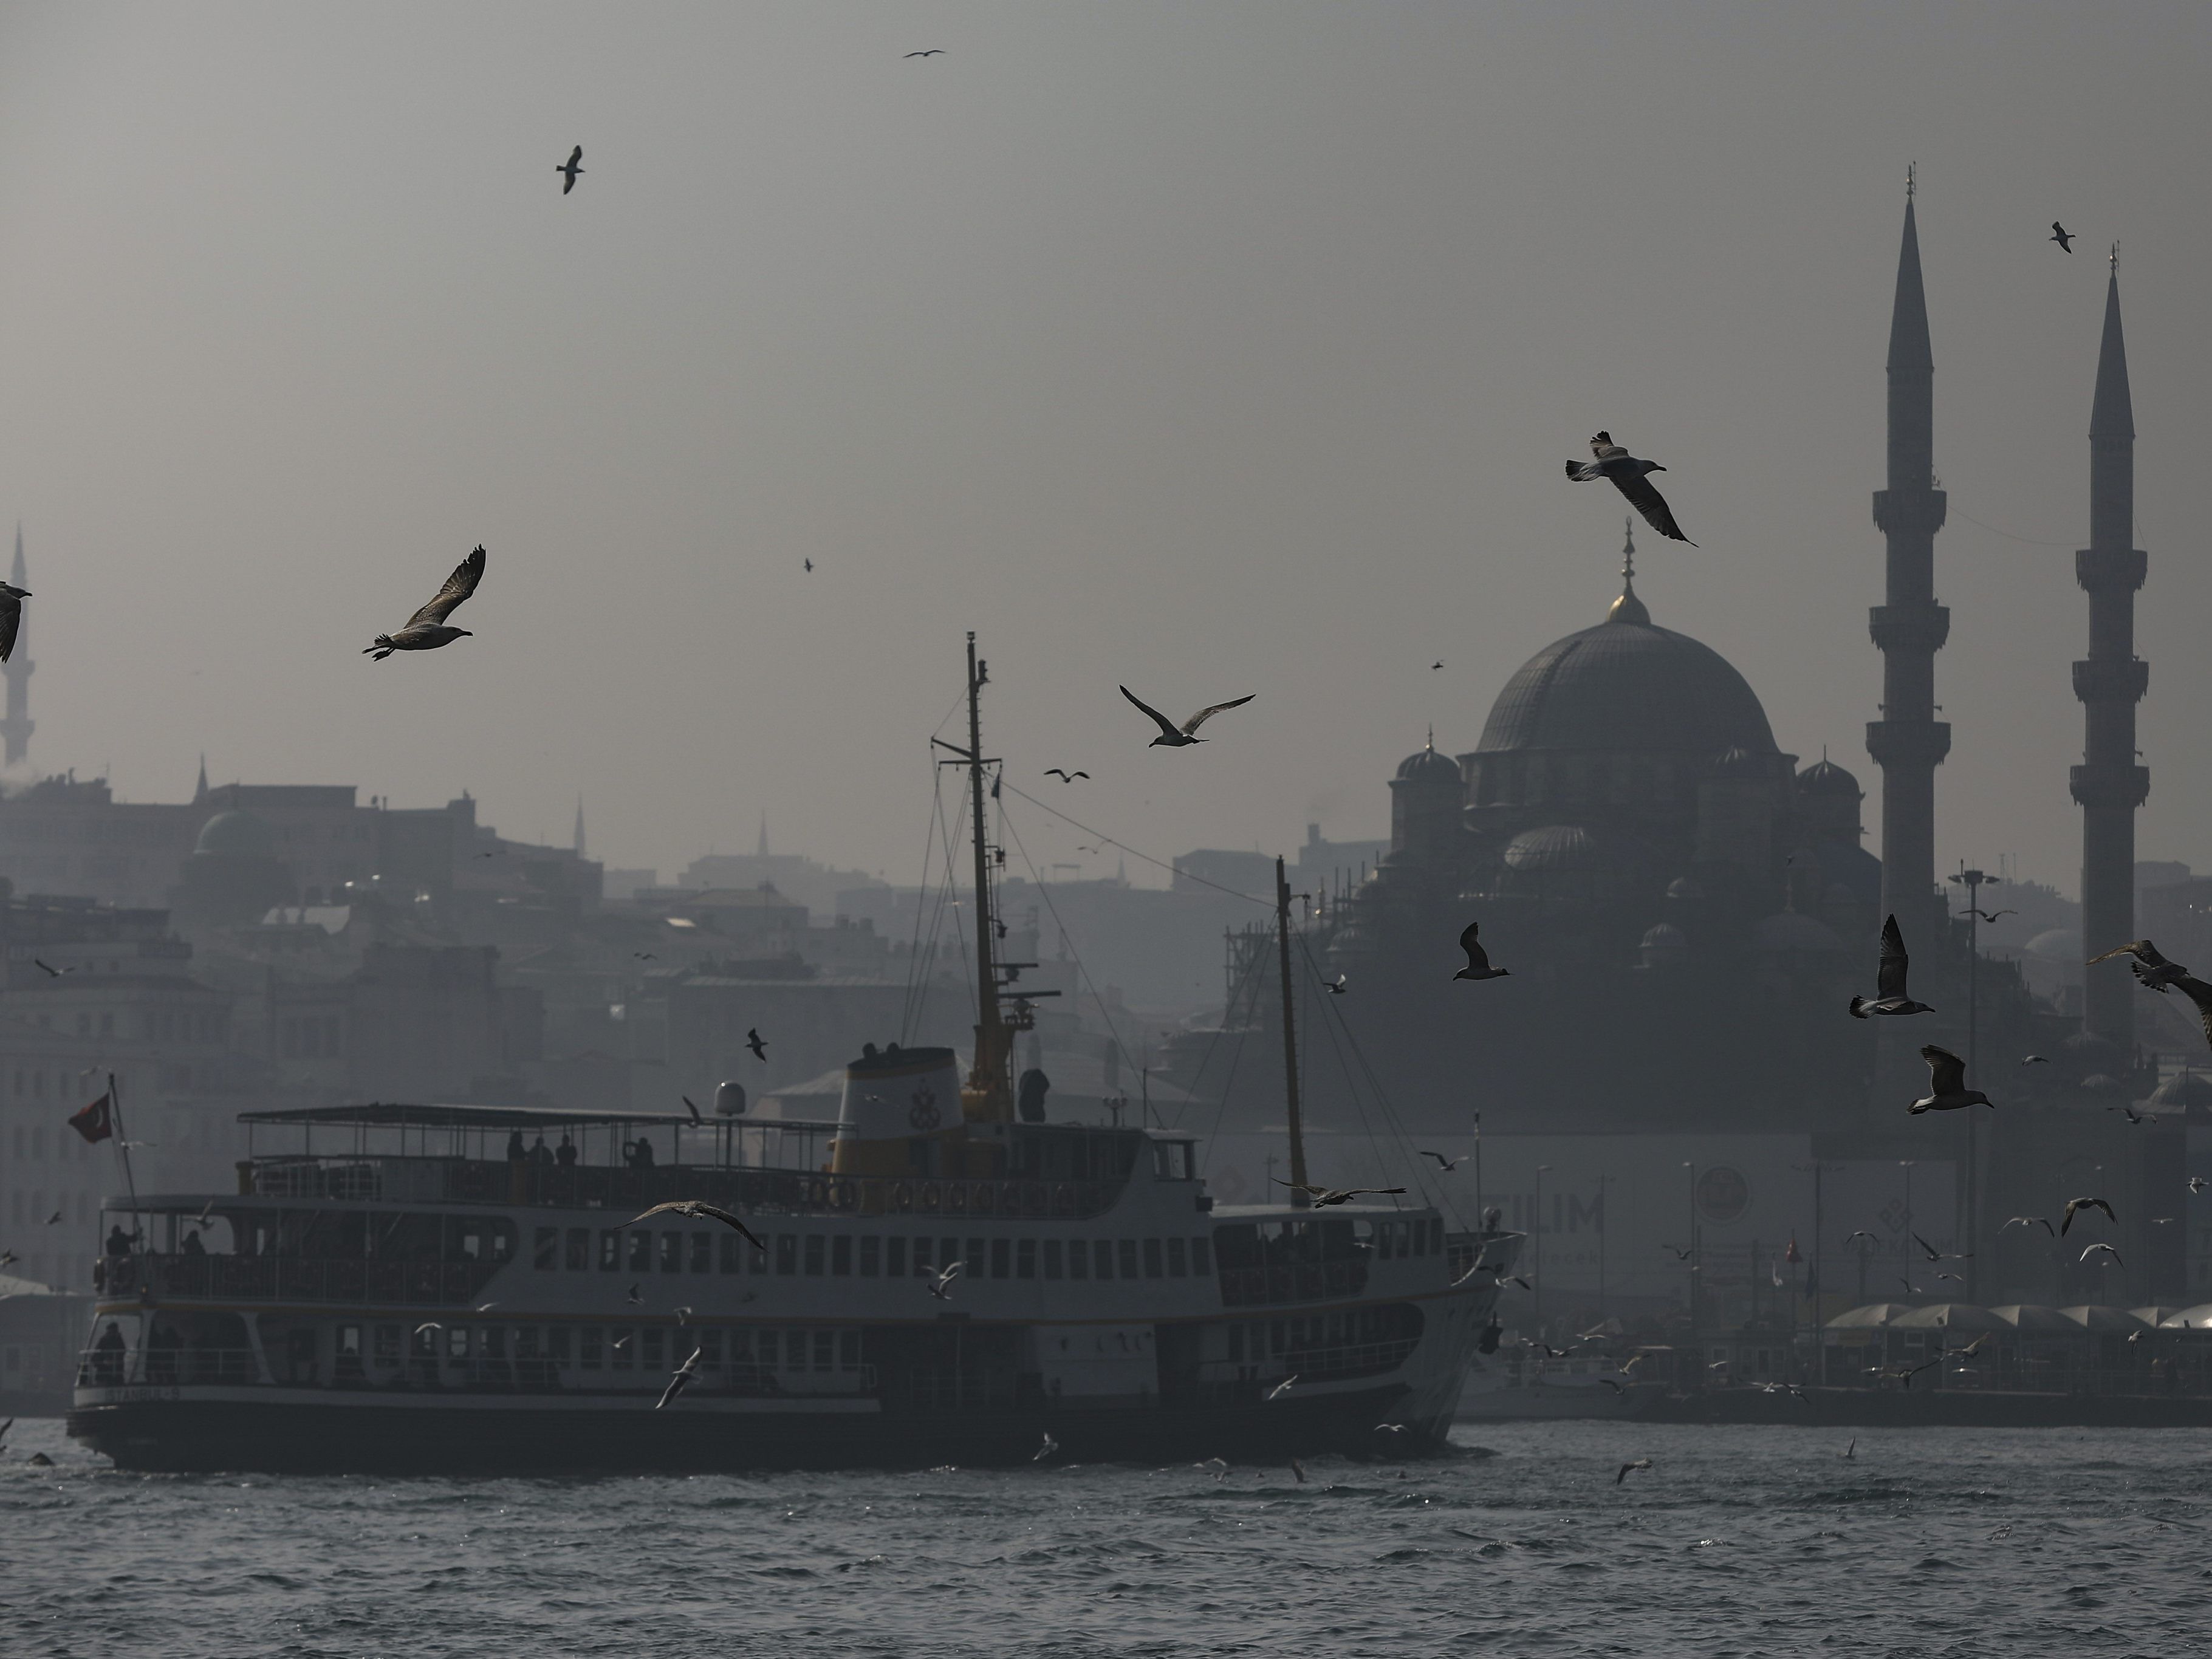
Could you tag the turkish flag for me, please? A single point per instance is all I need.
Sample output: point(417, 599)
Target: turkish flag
point(96, 1121)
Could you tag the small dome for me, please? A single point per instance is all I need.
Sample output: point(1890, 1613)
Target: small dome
point(236, 834)
point(1685, 888)
point(1665, 937)
point(1426, 766)
point(2190, 1090)
point(1788, 930)
point(1555, 848)
point(2058, 945)
point(2097, 1083)
point(1825, 777)
point(1737, 762)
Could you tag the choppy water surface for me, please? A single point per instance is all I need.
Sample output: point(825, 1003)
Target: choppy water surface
point(1753, 1541)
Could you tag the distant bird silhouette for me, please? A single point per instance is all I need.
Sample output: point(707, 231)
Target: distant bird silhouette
point(8, 1258)
point(808, 563)
point(691, 1109)
point(1890, 995)
point(2035, 1059)
point(1324, 1197)
point(54, 1220)
point(56, 973)
point(2199, 1184)
point(2061, 235)
point(2108, 1250)
point(1434, 665)
point(1946, 1084)
point(572, 169)
point(642, 955)
point(755, 1042)
point(2075, 1205)
point(1987, 916)
point(1447, 1165)
point(426, 630)
point(1863, 1233)
point(942, 1287)
point(11, 617)
point(2043, 1222)
point(1047, 1449)
point(1681, 1255)
point(1516, 1278)
point(635, 1296)
point(2133, 1115)
point(1851, 1451)
point(699, 1211)
point(1627, 1469)
point(1280, 1388)
point(1935, 1254)
point(680, 1381)
point(1064, 776)
point(934, 52)
point(1477, 959)
point(1336, 988)
point(1627, 476)
point(2151, 969)
point(1181, 736)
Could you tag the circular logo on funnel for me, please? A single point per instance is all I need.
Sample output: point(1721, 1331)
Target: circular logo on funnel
point(923, 1114)
point(1723, 1194)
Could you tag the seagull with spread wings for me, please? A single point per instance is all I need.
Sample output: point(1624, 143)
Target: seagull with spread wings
point(2151, 969)
point(426, 630)
point(699, 1211)
point(571, 169)
point(2041, 1221)
point(1063, 774)
point(2075, 1205)
point(1890, 995)
point(680, 1381)
point(1946, 1084)
point(2061, 235)
point(1627, 475)
point(1448, 1164)
point(11, 617)
point(1323, 1197)
point(1477, 959)
point(1181, 736)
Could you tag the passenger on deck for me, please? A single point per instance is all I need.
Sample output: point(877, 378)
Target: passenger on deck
point(119, 1242)
point(191, 1245)
point(107, 1358)
point(540, 1153)
point(566, 1154)
point(638, 1153)
point(516, 1151)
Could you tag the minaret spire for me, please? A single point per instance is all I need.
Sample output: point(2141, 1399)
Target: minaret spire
point(1908, 742)
point(15, 729)
point(2110, 680)
point(579, 826)
point(1628, 608)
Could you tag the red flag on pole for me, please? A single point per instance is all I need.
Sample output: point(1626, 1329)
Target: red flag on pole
point(96, 1122)
point(1791, 1256)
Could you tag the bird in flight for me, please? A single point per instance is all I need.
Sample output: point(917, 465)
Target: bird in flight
point(1946, 1084)
point(1890, 995)
point(2061, 235)
point(1299, 1470)
point(934, 52)
point(1935, 1254)
point(1987, 916)
point(1047, 1449)
point(680, 1381)
point(54, 1220)
point(1323, 1197)
point(426, 630)
point(1851, 1451)
point(1681, 1255)
point(11, 617)
point(1434, 666)
point(1181, 736)
point(1477, 959)
point(2108, 1250)
point(429, 1325)
point(942, 1289)
point(1627, 474)
point(1336, 988)
point(1063, 775)
point(699, 1211)
point(571, 169)
point(2199, 1184)
point(2151, 969)
point(1447, 1165)
point(2041, 1221)
point(755, 1042)
point(56, 973)
point(1863, 1233)
point(2075, 1205)
point(691, 1109)
point(1627, 1469)
point(1280, 1388)
point(2133, 1115)
point(8, 1258)
point(2035, 1059)
point(1904, 1374)
point(634, 1295)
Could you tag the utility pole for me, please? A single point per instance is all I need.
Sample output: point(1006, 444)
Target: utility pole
point(1973, 881)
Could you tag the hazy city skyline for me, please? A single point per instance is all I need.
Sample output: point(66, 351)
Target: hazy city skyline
point(1215, 352)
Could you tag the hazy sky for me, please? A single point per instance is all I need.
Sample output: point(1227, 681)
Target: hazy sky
point(1214, 348)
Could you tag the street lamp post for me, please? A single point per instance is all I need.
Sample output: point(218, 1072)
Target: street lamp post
point(1541, 1334)
point(1973, 881)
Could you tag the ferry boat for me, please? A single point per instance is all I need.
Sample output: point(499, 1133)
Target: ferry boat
point(398, 1287)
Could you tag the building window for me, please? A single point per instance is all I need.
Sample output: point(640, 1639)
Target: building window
point(546, 1249)
point(621, 1356)
point(387, 1345)
point(1178, 1265)
point(1126, 1252)
point(1200, 1253)
point(1001, 1248)
point(1153, 1269)
point(1025, 1259)
point(672, 1253)
point(871, 1254)
point(588, 1345)
point(814, 1255)
point(702, 1252)
point(1102, 1259)
point(825, 1351)
point(732, 1259)
point(609, 1250)
point(1078, 1259)
point(840, 1256)
point(1052, 1247)
point(557, 1344)
point(786, 1254)
point(640, 1251)
point(579, 1248)
point(975, 1259)
point(894, 1258)
point(654, 1357)
point(848, 1351)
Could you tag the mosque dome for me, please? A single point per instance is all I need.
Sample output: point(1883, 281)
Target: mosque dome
point(1426, 766)
point(2184, 1091)
point(1557, 849)
point(1685, 889)
point(1825, 777)
point(1628, 685)
point(236, 834)
point(1737, 762)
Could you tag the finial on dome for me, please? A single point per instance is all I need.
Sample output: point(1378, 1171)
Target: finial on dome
point(1912, 179)
point(1432, 736)
point(1628, 608)
point(2115, 258)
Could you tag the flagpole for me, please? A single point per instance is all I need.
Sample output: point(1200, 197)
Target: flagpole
point(123, 1149)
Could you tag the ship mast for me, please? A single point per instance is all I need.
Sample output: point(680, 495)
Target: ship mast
point(1300, 1197)
point(986, 1097)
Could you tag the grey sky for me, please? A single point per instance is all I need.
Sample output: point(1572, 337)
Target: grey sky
point(1216, 348)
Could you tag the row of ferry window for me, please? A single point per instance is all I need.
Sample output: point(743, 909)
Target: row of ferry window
point(871, 1255)
point(619, 1348)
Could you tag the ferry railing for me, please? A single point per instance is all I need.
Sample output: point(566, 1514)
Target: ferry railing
point(1276, 1285)
point(162, 1367)
point(1337, 1362)
point(587, 1187)
point(217, 1278)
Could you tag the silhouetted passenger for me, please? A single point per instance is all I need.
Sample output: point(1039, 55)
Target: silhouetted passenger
point(540, 1153)
point(644, 1153)
point(119, 1242)
point(192, 1245)
point(566, 1154)
point(516, 1151)
point(107, 1359)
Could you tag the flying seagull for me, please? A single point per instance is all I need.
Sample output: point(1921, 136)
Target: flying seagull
point(11, 617)
point(1477, 959)
point(1063, 775)
point(689, 1107)
point(51, 972)
point(1047, 1449)
point(1179, 737)
point(429, 1325)
point(1851, 1451)
point(934, 52)
point(1337, 987)
point(1946, 1084)
point(1627, 474)
point(942, 1289)
point(1280, 1388)
point(8, 1258)
point(2075, 1206)
point(571, 169)
point(1447, 1165)
point(1987, 916)
point(1299, 1470)
point(54, 1220)
point(755, 1042)
point(1863, 1233)
point(634, 1295)
point(2199, 1184)
point(2108, 1250)
point(2041, 1221)
point(2133, 1115)
point(2035, 1059)
point(1323, 1197)
point(699, 1211)
point(680, 1381)
point(2061, 235)
point(2151, 968)
point(1626, 1469)
point(1890, 995)
point(1935, 1254)
point(426, 630)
